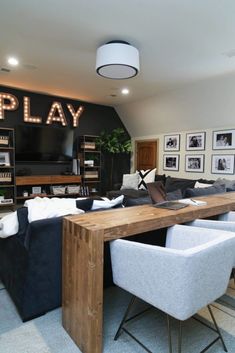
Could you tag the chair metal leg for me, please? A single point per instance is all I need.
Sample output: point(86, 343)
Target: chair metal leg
point(169, 333)
point(217, 328)
point(180, 337)
point(133, 298)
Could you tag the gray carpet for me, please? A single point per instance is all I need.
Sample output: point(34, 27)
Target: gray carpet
point(46, 335)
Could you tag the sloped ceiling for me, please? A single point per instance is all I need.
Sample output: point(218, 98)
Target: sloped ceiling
point(179, 42)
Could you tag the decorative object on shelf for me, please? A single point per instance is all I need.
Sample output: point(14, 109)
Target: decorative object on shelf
point(36, 190)
point(93, 174)
point(5, 159)
point(89, 163)
point(223, 139)
point(114, 143)
point(117, 59)
point(222, 164)
point(194, 163)
point(2, 194)
point(4, 140)
point(195, 141)
point(25, 193)
point(171, 162)
point(171, 143)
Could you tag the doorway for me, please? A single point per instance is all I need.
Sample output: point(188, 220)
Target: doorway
point(146, 154)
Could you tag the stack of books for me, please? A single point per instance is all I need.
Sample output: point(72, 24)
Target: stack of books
point(4, 140)
point(5, 177)
point(93, 174)
point(87, 145)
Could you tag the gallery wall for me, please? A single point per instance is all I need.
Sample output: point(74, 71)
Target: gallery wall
point(206, 105)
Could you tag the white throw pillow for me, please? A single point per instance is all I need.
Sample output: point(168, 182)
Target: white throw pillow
point(146, 176)
point(202, 185)
point(130, 181)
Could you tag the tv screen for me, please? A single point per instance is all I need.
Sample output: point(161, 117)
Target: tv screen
point(43, 144)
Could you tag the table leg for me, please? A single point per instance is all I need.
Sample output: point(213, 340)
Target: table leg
point(82, 292)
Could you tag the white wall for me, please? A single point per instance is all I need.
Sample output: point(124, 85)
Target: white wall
point(202, 106)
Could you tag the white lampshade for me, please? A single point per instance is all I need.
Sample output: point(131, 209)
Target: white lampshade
point(117, 60)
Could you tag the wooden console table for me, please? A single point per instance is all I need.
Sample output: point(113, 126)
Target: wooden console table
point(83, 249)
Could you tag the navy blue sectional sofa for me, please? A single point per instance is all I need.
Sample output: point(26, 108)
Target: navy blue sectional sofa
point(31, 260)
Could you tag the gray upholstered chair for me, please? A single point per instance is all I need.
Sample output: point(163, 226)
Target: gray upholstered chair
point(179, 279)
point(225, 222)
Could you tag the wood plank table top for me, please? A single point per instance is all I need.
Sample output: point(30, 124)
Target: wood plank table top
point(122, 222)
point(83, 256)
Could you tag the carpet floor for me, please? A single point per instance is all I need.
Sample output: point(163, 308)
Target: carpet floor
point(46, 334)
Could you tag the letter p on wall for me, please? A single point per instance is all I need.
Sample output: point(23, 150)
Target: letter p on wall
point(7, 102)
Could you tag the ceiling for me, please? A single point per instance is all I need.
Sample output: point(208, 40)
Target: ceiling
point(56, 40)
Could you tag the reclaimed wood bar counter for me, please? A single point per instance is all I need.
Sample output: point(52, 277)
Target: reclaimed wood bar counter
point(83, 251)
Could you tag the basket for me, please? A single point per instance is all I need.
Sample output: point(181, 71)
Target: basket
point(73, 189)
point(58, 190)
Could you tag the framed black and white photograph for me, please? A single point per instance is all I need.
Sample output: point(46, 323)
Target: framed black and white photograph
point(223, 140)
point(171, 162)
point(4, 159)
point(194, 163)
point(222, 164)
point(171, 142)
point(195, 141)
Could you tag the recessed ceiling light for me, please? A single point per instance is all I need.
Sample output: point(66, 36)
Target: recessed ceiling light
point(125, 91)
point(13, 61)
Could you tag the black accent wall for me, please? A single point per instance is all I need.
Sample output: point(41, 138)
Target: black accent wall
point(93, 120)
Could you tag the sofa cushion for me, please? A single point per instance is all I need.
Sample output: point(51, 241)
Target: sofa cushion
point(215, 189)
point(160, 177)
point(137, 201)
point(146, 176)
point(173, 184)
point(22, 215)
point(84, 204)
point(229, 184)
point(174, 195)
point(130, 181)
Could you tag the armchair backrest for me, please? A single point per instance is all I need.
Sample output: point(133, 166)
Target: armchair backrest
point(179, 282)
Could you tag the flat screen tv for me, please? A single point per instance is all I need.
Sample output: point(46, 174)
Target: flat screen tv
point(43, 144)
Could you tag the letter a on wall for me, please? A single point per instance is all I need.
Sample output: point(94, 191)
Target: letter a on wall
point(56, 114)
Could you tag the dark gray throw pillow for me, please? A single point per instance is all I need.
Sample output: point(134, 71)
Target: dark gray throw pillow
point(173, 184)
point(211, 190)
point(85, 204)
point(174, 195)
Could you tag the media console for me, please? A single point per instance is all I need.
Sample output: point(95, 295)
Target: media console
point(25, 183)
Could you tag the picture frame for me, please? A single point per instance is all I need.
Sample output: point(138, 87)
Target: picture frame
point(195, 141)
point(222, 163)
point(172, 142)
point(194, 163)
point(171, 162)
point(223, 139)
point(5, 159)
point(36, 190)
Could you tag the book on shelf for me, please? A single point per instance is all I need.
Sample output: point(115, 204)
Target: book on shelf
point(88, 145)
point(5, 177)
point(4, 140)
point(6, 201)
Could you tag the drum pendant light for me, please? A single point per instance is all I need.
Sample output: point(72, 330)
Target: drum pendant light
point(117, 60)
